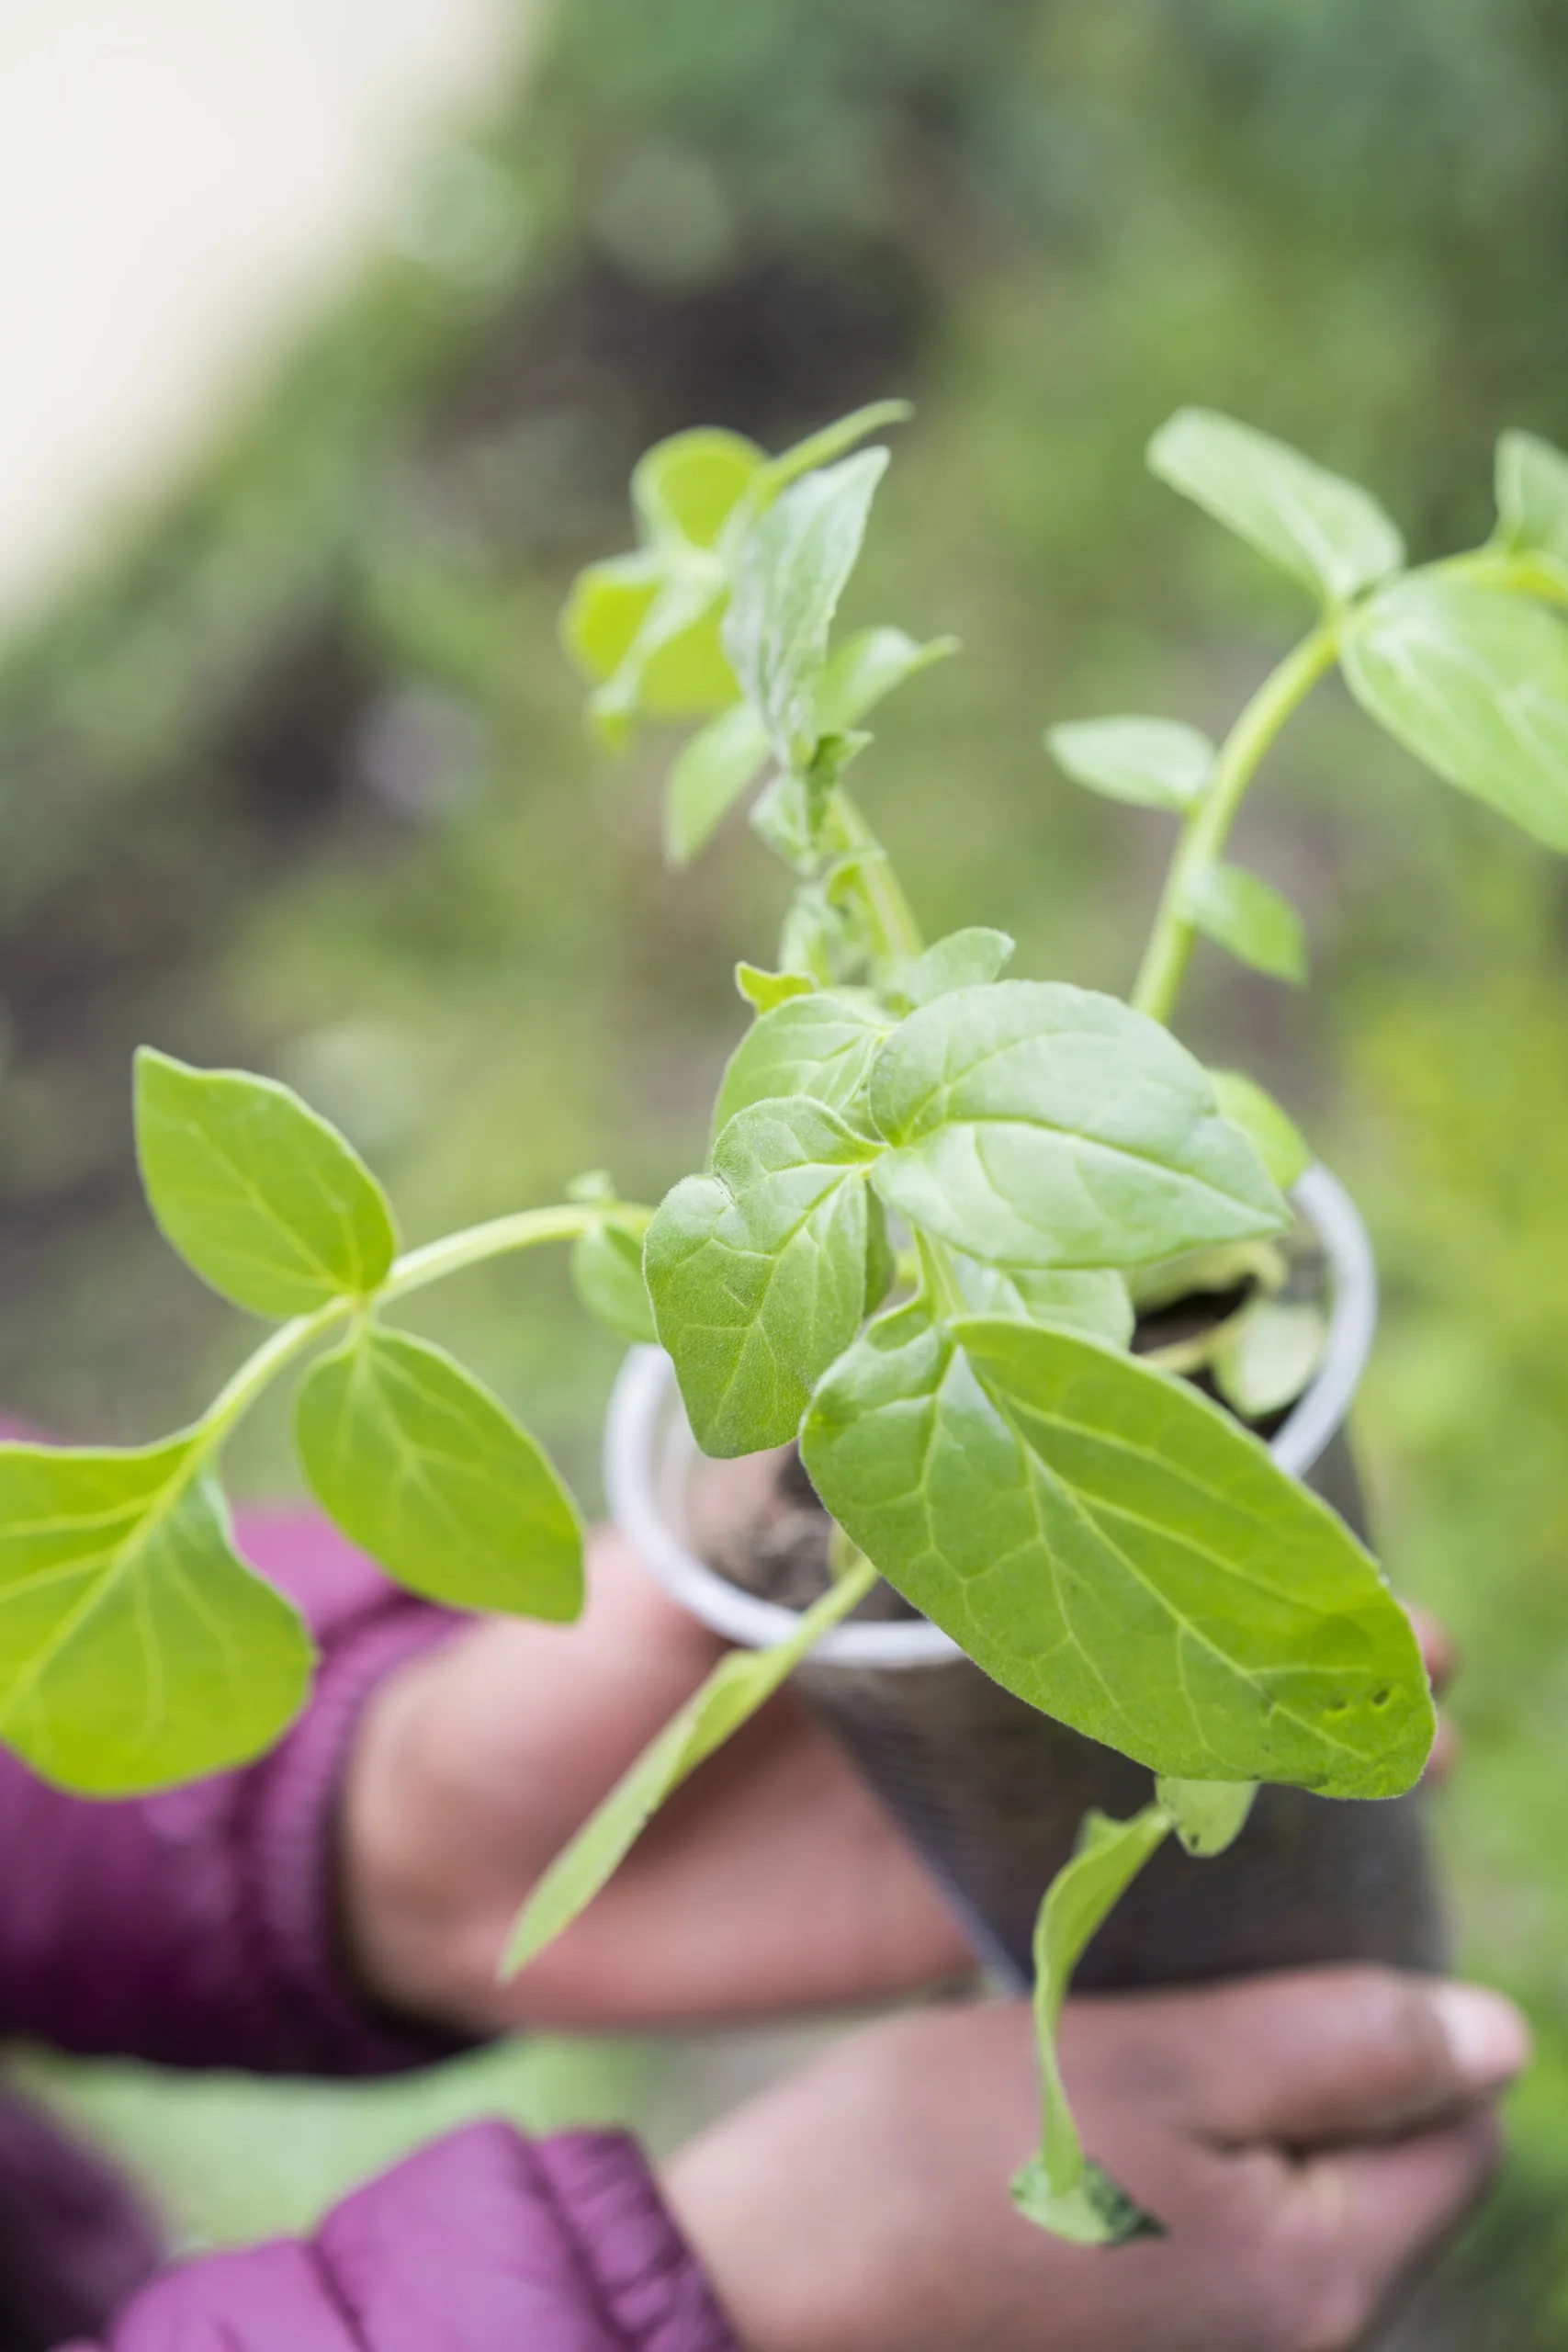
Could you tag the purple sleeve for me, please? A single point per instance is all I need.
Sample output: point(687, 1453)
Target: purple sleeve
point(198, 1929)
point(482, 2243)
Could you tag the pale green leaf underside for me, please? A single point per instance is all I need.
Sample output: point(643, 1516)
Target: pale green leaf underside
point(137, 1650)
point(1247, 917)
point(1476, 685)
point(1268, 1360)
point(758, 1272)
point(820, 1045)
point(792, 572)
point(264, 1199)
point(1208, 1815)
point(1532, 494)
point(1325, 531)
point(1038, 1124)
point(732, 1694)
point(607, 1268)
point(1275, 1138)
point(425, 1470)
point(1106, 1543)
point(1060, 2189)
point(719, 762)
point(1150, 762)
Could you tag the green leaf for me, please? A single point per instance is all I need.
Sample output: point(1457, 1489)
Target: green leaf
point(607, 1267)
point(1095, 1303)
point(820, 1045)
point(1532, 494)
point(1114, 1548)
point(1247, 917)
point(685, 488)
point(1267, 1360)
point(1059, 2189)
point(721, 761)
point(264, 1199)
point(765, 992)
point(758, 1272)
point(137, 1649)
point(1275, 1138)
point(427, 1470)
point(1208, 1815)
point(737, 1687)
point(1153, 763)
point(820, 448)
point(792, 572)
point(1038, 1124)
point(1476, 685)
point(1326, 531)
point(867, 668)
point(964, 959)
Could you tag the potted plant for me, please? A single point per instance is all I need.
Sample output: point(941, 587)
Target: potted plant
point(986, 1294)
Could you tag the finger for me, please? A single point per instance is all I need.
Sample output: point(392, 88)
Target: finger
point(1364, 2218)
point(1314, 2057)
point(1445, 1753)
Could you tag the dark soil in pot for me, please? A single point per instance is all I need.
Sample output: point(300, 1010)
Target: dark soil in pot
point(991, 1793)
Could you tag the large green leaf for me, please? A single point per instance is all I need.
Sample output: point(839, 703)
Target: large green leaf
point(1476, 685)
point(1330, 533)
point(759, 1272)
point(427, 1470)
point(732, 1694)
point(266, 1202)
point(1245, 915)
point(684, 489)
point(1038, 1124)
point(1532, 494)
point(1152, 762)
point(136, 1647)
point(792, 572)
point(1060, 2189)
point(820, 1045)
point(1106, 1543)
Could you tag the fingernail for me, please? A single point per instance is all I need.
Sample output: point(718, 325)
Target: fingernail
point(1488, 2039)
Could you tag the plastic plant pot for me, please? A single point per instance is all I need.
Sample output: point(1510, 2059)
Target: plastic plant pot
point(990, 1792)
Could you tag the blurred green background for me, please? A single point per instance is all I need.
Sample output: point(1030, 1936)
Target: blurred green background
point(298, 779)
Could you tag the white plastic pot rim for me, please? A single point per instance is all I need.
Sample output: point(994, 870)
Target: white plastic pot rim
point(644, 1404)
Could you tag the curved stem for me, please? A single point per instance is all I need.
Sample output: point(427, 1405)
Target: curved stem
point(414, 1270)
point(891, 917)
point(1208, 828)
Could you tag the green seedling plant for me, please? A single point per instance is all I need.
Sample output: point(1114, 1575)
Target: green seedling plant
point(935, 1200)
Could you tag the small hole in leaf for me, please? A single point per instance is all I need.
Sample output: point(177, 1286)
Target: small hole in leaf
point(1382, 1698)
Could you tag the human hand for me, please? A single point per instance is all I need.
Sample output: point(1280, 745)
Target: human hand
point(772, 1881)
point(1305, 2138)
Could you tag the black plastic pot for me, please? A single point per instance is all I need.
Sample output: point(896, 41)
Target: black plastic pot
point(990, 1792)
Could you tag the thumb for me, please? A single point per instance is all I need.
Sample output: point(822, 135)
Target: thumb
point(1320, 2057)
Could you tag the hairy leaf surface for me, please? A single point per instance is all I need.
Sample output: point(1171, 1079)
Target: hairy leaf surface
point(759, 1272)
point(1476, 685)
point(137, 1649)
point(964, 959)
point(1106, 1543)
point(820, 1044)
point(264, 1199)
point(1038, 1124)
point(792, 572)
point(425, 1470)
point(1329, 532)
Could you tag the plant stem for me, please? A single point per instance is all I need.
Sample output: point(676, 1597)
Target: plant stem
point(1208, 828)
point(415, 1271)
point(892, 919)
